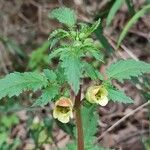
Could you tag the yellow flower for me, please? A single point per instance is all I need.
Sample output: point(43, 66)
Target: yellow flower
point(97, 94)
point(63, 110)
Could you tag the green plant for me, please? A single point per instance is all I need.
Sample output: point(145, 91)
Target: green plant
point(63, 82)
point(6, 123)
point(40, 131)
point(132, 21)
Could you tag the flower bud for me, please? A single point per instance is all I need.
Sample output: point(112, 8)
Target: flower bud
point(63, 110)
point(97, 94)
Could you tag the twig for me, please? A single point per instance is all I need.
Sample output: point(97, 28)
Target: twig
point(122, 119)
point(129, 52)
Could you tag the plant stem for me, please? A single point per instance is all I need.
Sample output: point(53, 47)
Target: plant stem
point(79, 125)
point(79, 130)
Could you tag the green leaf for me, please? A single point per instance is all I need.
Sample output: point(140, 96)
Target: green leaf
point(88, 30)
point(56, 52)
point(117, 4)
point(118, 96)
point(56, 36)
point(50, 74)
point(92, 72)
point(58, 33)
point(47, 95)
point(39, 57)
point(132, 21)
point(97, 54)
point(61, 78)
point(72, 66)
point(94, 26)
point(64, 15)
point(125, 69)
point(15, 83)
point(66, 127)
point(89, 119)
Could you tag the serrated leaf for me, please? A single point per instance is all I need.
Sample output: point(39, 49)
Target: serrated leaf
point(58, 33)
point(54, 42)
point(47, 95)
point(72, 66)
point(55, 52)
point(92, 72)
point(115, 7)
point(64, 15)
point(50, 74)
point(125, 69)
point(97, 55)
point(132, 21)
point(15, 83)
point(118, 96)
point(61, 78)
point(89, 119)
point(88, 30)
point(93, 27)
point(56, 36)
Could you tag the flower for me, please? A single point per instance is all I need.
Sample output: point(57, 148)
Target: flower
point(97, 94)
point(63, 110)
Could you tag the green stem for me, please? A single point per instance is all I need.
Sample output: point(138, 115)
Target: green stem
point(80, 136)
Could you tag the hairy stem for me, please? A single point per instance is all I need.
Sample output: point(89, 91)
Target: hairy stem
point(80, 136)
point(79, 130)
